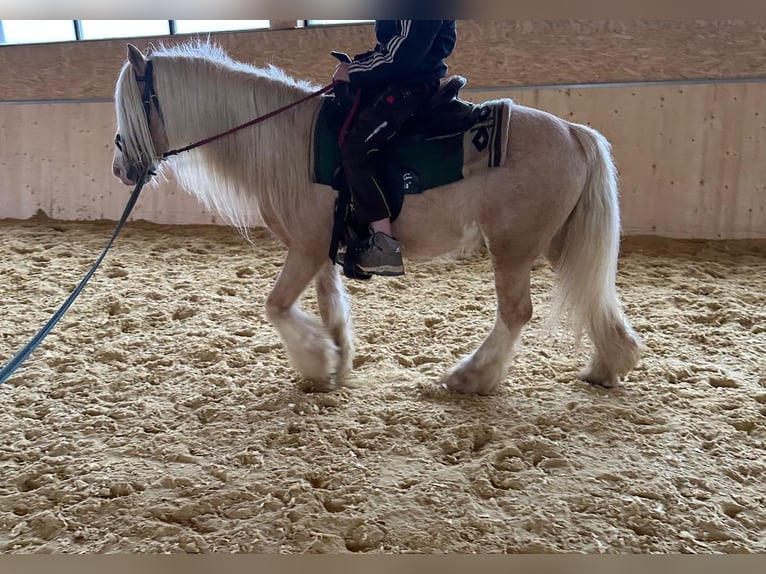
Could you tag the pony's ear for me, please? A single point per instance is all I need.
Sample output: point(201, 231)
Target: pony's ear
point(136, 59)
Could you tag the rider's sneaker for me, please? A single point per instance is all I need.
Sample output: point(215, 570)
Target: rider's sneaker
point(381, 256)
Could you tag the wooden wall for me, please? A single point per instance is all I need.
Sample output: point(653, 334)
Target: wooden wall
point(498, 53)
point(689, 153)
point(690, 157)
point(57, 158)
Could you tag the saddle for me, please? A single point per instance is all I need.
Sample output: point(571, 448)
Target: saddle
point(446, 140)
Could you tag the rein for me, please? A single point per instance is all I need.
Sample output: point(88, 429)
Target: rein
point(252, 122)
point(149, 96)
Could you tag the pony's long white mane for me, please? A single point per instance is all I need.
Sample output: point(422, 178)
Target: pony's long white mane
point(202, 92)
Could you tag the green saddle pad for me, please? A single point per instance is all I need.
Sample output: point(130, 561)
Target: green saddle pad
point(428, 152)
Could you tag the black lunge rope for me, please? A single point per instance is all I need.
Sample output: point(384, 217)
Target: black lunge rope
point(21, 356)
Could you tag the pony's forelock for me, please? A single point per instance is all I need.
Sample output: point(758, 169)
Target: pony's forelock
point(137, 145)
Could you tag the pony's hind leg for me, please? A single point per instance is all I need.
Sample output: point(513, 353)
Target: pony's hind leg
point(334, 309)
point(482, 371)
point(617, 348)
point(308, 344)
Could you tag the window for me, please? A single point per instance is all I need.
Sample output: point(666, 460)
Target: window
point(99, 29)
point(36, 31)
point(325, 22)
point(192, 26)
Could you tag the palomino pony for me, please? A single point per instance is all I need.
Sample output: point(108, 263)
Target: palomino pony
point(556, 195)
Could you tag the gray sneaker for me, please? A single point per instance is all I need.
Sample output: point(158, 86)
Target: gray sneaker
point(382, 256)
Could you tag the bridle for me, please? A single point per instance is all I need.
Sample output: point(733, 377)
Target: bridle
point(149, 98)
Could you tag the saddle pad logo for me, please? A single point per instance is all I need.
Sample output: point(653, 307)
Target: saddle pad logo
point(482, 137)
point(481, 140)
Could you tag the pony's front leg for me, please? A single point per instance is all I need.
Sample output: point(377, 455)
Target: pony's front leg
point(334, 309)
point(308, 344)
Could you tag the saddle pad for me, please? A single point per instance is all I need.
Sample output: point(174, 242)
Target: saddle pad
point(417, 162)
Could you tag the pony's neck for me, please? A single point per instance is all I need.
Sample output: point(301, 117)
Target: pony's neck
point(263, 168)
point(213, 97)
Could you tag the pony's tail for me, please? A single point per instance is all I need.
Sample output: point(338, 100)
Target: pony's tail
point(588, 248)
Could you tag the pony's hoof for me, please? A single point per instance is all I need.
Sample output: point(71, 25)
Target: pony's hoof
point(600, 379)
point(464, 383)
point(310, 386)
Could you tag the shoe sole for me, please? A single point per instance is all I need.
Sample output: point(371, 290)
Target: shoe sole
point(385, 270)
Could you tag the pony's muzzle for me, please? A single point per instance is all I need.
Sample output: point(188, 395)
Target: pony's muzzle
point(123, 176)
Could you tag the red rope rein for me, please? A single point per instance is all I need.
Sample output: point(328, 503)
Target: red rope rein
point(252, 122)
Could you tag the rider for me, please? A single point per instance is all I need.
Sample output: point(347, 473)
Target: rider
point(396, 78)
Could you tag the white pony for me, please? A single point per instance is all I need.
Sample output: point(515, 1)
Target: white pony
point(555, 195)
